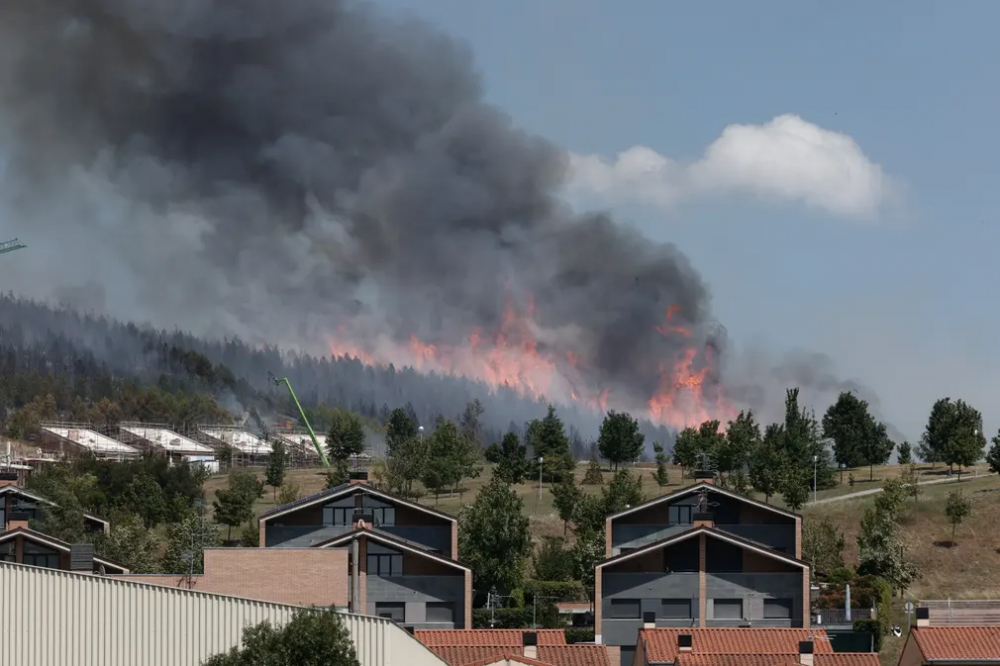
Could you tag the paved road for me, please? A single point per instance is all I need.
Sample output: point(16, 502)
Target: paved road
point(872, 491)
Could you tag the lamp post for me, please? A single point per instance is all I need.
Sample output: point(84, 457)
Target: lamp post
point(540, 461)
point(815, 464)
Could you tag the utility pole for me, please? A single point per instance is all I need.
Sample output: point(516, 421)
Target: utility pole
point(815, 463)
point(540, 461)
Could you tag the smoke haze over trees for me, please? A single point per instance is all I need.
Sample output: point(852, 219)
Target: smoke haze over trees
point(294, 174)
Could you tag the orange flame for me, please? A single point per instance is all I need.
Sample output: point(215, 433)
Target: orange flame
point(511, 358)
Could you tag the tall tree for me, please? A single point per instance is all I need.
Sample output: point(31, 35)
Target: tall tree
point(548, 440)
point(233, 505)
point(957, 509)
point(129, 543)
point(400, 428)
point(451, 457)
point(494, 537)
point(313, 637)
point(954, 434)
point(695, 448)
point(803, 443)
point(662, 476)
point(858, 439)
point(881, 552)
point(346, 436)
point(623, 491)
point(904, 453)
point(993, 456)
point(741, 439)
point(619, 440)
point(822, 545)
point(510, 458)
point(277, 461)
point(767, 462)
point(566, 497)
point(187, 540)
point(471, 423)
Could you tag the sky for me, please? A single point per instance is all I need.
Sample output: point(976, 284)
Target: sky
point(832, 174)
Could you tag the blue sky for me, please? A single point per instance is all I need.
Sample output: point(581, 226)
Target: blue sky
point(891, 271)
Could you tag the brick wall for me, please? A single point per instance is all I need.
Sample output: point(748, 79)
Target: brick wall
point(301, 576)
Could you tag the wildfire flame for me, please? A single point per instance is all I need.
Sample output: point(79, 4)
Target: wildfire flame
point(512, 358)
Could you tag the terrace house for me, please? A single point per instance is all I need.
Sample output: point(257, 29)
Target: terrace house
point(402, 555)
point(20, 505)
point(702, 557)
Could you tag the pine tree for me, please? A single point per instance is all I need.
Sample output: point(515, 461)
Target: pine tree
point(594, 475)
point(662, 476)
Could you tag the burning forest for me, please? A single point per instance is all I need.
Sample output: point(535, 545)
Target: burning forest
point(320, 177)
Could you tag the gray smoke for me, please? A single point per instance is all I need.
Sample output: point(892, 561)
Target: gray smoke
point(289, 171)
point(293, 171)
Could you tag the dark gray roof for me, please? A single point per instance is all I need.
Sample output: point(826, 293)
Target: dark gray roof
point(345, 487)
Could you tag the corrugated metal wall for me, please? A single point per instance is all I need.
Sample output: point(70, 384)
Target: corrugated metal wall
point(57, 618)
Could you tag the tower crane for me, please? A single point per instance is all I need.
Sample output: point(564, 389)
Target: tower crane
point(302, 413)
point(10, 246)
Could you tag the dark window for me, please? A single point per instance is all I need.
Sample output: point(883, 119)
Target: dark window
point(722, 557)
point(385, 516)
point(676, 609)
point(440, 611)
point(682, 556)
point(37, 556)
point(627, 656)
point(3, 515)
point(777, 609)
point(728, 609)
point(7, 552)
point(385, 565)
point(625, 609)
point(393, 611)
point(680, 514)
point(337, 515)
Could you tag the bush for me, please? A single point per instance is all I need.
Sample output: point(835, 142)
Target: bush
point(517, 618)
point(873, 627)
point(579, 635)
point(554, 591)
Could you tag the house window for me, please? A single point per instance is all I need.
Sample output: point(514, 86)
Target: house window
point(440, 611)
point(3, 515)
point(777, 609)
point(383, 561)
point(625, 609)
point(7, 552)
point(728, 609)
point(384, 516)
point(337, 515)
point(39, 556)
point(391, 611)
point(676, 609)
point(680, 514)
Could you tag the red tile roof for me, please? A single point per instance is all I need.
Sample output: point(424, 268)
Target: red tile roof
point(661, 644)
point(838, 659)
point(967, 643)
point(548, 655)
point(500, 638)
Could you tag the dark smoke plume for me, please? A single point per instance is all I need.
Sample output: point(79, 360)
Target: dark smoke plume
point(277, 170)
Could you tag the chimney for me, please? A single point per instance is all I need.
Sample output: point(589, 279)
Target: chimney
point(685, 642)
point(357, 476)
point(362, 518)
point(704, 476)
point(530, 641)
point(703, 520)
point(806, 653)
point(8, 479)
point(649, 620)
point(16, 520)
point(923, 616)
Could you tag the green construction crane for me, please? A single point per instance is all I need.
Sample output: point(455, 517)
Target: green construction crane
point(10, 246)
point(312, 435)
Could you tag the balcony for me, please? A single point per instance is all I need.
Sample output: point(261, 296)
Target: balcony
point(635, 536)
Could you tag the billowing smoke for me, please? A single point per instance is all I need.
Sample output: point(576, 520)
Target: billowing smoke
point(284, 170)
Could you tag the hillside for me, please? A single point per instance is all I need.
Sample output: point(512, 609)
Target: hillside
point(86, 355)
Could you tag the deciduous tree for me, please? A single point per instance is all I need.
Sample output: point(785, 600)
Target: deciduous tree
point(277, 461)
point(904, 453)
point(346, 436)
point(494, 537)
point(662, 476)
point(312, 637)
point(957, 509)
point(619, 440)
point(768, 462)
point(822, 545)
point(548, 440)
point(566, 497)
point(510, 458)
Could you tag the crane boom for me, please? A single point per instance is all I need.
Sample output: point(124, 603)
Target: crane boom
point(10, 246)
point(302, 413)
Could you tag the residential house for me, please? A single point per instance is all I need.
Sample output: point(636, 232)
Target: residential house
point(703, 557)
point(928, 645)
point(404, 553)
point(750, 646)
point(18, 504)
point(511, 647)
point(21, 545)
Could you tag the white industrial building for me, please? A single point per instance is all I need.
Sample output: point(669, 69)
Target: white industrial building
point(54, 618)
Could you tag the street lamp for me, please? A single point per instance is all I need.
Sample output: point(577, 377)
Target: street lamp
point(540, 461)
point(815, 464)
point(420, 431)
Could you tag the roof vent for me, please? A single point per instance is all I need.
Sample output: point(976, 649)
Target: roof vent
point(806, 653)
point(684, 642)
point(81, 557)
point(530, 641)
point(923, 616)
point(649, 620)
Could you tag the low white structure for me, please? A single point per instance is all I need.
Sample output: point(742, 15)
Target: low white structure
point(168, 440)
point(241, 440)
point(54, 618)
point(301, 441)
point(93, 441)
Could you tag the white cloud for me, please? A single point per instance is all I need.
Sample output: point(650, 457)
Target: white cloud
point(787, 159)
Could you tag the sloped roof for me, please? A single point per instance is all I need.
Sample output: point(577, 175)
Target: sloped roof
point(17, 490)
point(660, 644)
point(694, 531)
point(548, 655)
point(52, 542)
point(390, 540)
point(683, 492)
point(498, 638)
point(348, 489)
point(836, 659)
point(958, 643)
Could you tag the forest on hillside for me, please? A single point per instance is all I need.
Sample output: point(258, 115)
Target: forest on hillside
point(66, 364)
